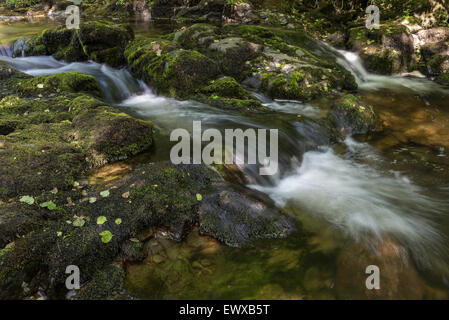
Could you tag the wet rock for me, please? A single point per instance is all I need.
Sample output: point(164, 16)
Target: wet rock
point(388, 50)
point(101, 42)
point(235, 218)
point(105, 285)
point(108, 135)
point(283, 64)
point(227, 93)
point(58, 83)
point(351, 116)
point(434, 49)
point(170, 70)
point(398, 276)
point(161, 196)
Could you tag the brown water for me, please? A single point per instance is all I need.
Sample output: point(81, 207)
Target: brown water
point(380, 202)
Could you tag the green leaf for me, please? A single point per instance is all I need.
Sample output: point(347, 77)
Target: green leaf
point(105, 193)
point(92, 199)
point(199, 197)
point(101, 219)
point(118, 221)
point(59, 233)
point(50, 205)
point(106, 236)
point(27, 199)
point(78, 223)
point(158, 53)
point(76, 184)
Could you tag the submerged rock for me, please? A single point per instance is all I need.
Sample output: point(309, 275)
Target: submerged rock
point(398, 276)
point(235, 218)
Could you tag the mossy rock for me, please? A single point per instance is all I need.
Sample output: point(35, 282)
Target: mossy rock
point(160, 195)
point(176, 72)
point(226, 87)
point(388, 50)
point(39, 157)
point(110, 136)
point(59, 83)
point(7, 72)
point(351, 116)
point(98, 41)
point(106, 284)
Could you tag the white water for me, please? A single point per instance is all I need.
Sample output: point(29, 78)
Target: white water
point(115, 84)
point(362, 202)
point(413, 83)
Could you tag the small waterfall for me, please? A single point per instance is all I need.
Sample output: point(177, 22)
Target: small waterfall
point(116, 84)
point(413, 82)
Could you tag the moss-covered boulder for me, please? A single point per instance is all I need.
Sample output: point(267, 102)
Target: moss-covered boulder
point(58, 83)
point(388, 50)
point(39, 157)
point(351, 116)
point(101, 42)
point(170, 70)
point(49, 138)
point(108, 136)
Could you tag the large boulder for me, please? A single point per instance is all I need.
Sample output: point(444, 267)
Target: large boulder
point(434, 49)
point(283, 64)
point(101, 42)
point(169, 69)
point(388, 50)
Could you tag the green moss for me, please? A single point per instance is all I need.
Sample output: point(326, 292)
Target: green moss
point(58, 83)
point(225, 87)
point(351, 116)
point(98, 41)
point(106, 284)
point(109, 136)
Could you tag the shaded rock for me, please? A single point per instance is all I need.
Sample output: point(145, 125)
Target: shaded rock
point(235, 218)
point(105, 285)
point(101, 42)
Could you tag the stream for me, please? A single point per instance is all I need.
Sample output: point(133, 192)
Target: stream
point(390, 191)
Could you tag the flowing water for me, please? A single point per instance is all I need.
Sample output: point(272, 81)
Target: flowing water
point(356, 196)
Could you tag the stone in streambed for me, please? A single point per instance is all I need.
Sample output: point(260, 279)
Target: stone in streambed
point(101, 42)
point(235, 218)
point(350, 116)
point(58, 83)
